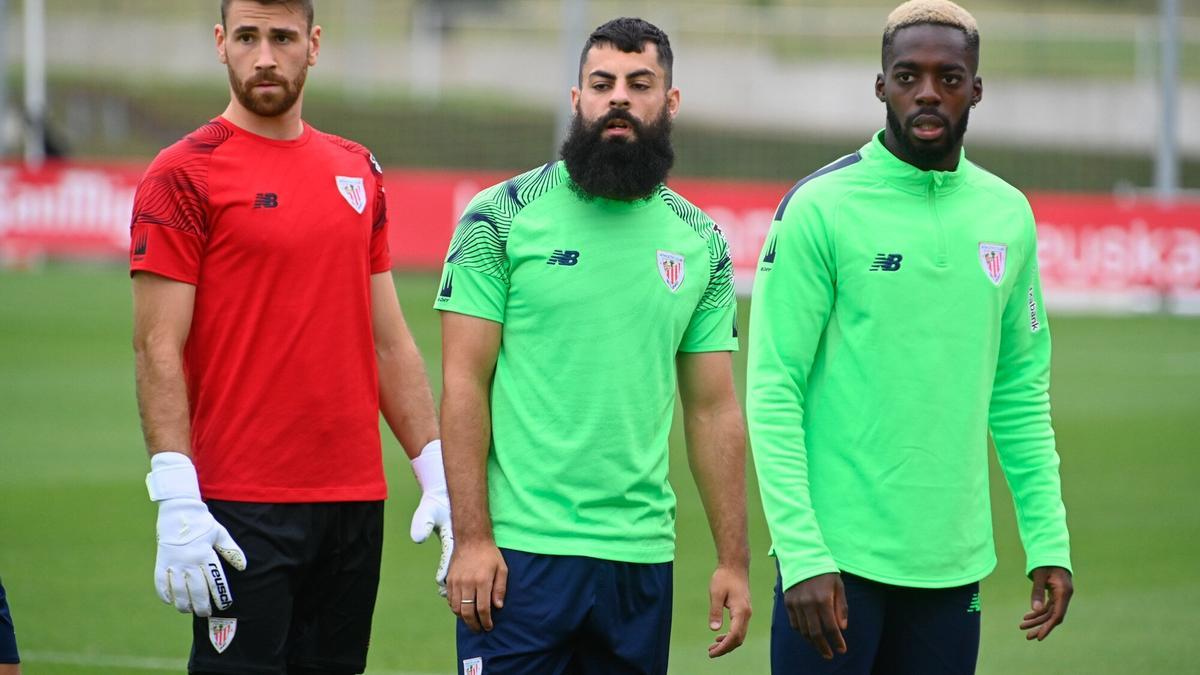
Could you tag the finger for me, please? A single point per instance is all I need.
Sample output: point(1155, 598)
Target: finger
point(218, 586)
point(716, 608)
point(469, 612)
point(841, 605)
point(161, 585)
point(795, 618)
point(444, 563)
point(422, 525)
point(816, 632)
point(1056, 617)
point(197, 591)
point(1035, 621)
point(179, 591)
point(831, 625)
point(453, 596)
point(229, 550)
point(717, 647)
point(500, 586)
point(1037, 599)
point(483, 604)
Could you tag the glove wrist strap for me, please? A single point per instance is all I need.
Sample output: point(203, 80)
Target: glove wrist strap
point(172, 476)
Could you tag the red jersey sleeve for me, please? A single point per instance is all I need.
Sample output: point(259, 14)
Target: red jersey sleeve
point(381, 256)
point(169, 226)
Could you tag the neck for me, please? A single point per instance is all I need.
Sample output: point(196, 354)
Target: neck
point(948, 162)
point(284, 127)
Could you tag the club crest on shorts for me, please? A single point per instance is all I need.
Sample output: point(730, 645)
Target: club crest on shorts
point(992, 257)
point(473, 666)
point(221, 632)
point(354, 192)
point(670, 268)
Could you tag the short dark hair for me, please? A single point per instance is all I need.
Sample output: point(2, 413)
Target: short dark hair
point(931, 12)
point(630, 35)
point(306, 6)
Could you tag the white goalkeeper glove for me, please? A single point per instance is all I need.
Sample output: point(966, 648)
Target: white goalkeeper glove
point(433, 513)
point(186, 569)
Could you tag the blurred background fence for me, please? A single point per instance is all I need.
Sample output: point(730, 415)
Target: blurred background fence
point(1077, 98)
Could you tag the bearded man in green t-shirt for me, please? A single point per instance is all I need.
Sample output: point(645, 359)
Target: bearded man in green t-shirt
point(575, 298)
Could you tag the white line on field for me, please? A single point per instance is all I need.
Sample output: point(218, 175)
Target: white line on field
point(141, 662)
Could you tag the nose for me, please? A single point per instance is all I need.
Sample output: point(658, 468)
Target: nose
point(619, 96)
point(927, 94)
point(265, 59)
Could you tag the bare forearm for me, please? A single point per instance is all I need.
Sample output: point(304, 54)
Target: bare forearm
point(404, 396)
point(466, 436)
point(717, 457)
point(162, 399)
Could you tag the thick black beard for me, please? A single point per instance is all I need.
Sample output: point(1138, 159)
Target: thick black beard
point(925, 155)
point(626, 170)
point(271, 106)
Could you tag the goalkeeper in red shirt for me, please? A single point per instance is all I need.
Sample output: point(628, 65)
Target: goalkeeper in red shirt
point(268, 339)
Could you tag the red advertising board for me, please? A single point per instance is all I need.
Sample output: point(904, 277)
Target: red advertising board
point(1096, 252)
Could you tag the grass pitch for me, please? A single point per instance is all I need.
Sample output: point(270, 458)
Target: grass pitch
point(77, 531)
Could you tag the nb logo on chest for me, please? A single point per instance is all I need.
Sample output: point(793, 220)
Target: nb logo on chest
point(266, 200)
point(562, 257)
point(886, 262)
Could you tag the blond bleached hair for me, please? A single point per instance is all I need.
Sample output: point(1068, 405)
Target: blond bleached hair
point(935, 12)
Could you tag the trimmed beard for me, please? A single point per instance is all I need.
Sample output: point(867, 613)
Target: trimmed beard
point(621, 169)
point(270, 105)
point(923, 154)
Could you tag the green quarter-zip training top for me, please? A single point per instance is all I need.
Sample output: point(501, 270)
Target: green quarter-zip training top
point(897, 317)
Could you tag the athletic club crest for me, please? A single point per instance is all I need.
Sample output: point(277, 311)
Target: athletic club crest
point(352, 189)
point(992, 257)
point(670, 267)
point(221, 632)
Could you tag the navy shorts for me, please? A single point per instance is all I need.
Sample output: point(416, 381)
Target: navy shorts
point(893, 630)
point(571, 614)
point(8, 635)
point(305, 601)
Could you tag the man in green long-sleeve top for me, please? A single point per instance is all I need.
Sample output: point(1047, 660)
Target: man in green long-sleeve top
point(897, 317)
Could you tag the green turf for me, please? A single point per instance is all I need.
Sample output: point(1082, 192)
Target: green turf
point(78, 531)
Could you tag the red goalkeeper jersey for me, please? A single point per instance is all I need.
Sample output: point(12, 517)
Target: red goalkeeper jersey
point(280, 239)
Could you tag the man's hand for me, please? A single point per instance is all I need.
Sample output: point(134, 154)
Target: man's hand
point(433, 513)
point(1046, 614)
point(729, 588)
point(477, 582)
point(817, 608)
point(187, 570)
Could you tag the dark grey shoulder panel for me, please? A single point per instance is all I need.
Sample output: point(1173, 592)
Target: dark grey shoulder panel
point(828, 168)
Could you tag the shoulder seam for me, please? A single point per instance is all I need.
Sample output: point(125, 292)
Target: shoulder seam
point(836, 165)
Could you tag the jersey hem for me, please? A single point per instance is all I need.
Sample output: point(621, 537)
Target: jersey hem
point(469, 312)
point(166, 274)
point(731, 346)
point(587, 549)
point(369, 493)
point(921, 583)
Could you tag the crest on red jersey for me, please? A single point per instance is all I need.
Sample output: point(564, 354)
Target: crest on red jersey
point(992, 257)
point(670, 268)
point(354, 192)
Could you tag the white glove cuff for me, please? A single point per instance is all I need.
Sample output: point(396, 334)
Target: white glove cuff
point(428, 467)
point(172, 475)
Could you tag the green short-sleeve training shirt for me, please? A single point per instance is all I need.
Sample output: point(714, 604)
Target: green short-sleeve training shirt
point(596, 298)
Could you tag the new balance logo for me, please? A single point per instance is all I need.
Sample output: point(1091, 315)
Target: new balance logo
point(975, 606)
point(139, 245)
point(266, 200)
point(447, 288)
point(561, 257)
point(770, 255)
point(886, 262)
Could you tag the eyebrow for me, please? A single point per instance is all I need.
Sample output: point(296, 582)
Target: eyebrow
point(243, 30)
point(913, 65)
point(604, 74)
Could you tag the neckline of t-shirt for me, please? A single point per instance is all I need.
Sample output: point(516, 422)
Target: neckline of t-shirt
point(290, 143)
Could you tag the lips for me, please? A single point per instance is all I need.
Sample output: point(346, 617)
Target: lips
point(928, 127)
